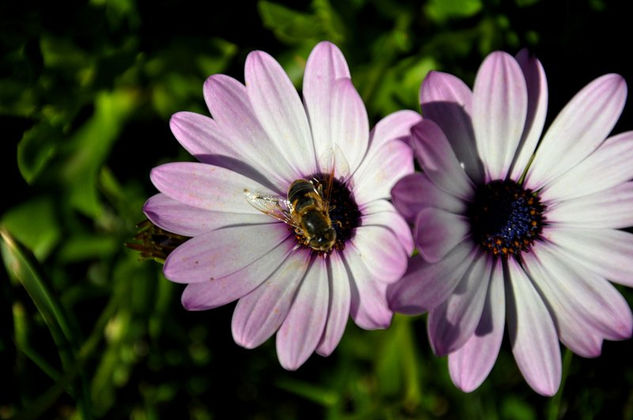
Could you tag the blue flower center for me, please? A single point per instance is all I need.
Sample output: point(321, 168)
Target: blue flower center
point(505, 218)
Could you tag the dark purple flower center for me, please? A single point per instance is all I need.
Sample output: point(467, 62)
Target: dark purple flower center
point(505, 218)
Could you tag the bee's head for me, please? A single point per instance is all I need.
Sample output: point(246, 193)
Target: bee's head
point(324, 241)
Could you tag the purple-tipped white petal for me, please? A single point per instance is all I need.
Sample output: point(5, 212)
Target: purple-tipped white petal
point(243, 137)
point(532, 333)
point(206, 186)
point(447, 101)
point(260, 313)
point(340, 300)
point(611, 208)
point(199, 135)
point(436, 232)
point(211, 294)
point(382, 213)
point(606, 252)
point(454, 321)
point(578, 129)
point(388, 158)
point(301, 331)
point(324, 67)
point(424, 285)
point(605, 168)
point(368, 306)
point(174, 216)
point(380, 170)
point(396, 125)
point(278, 108)
point(415, 192)
point(379, 249)
point(586, 307)
point(219, 253)
point(470, 364)
point(499, 112)
point(349, 127)
point(568, 313)
point(212, 144)
point(537, 96)
point(436, 156)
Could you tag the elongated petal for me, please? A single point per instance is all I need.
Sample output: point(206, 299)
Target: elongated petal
point(380, 251)
point(437, 231)
point(605, 168)
point(611, 208)
point(471, 363)
point(532, 333)
point(447, 101)
point(380, 170)
point(424, 285)
point(382, 213)
point(586, 308)
point(176, 217)
point(438, 160)
point(349, 126)
point(568, 314)
point(206, 186)
point(338, 312)
point(325, 65)
point(211, 294)
point(260, 313)
point(209, 143)
point(219, 253)
point(243, 138)
point(499, 112)
point(454, 321)
point(607, 252)
point(415, 192)
point(368, 306)
point(301, 331)
point(396, 125)
point(578, 129)
point(279, 110)
point(199, 135)
point(537, 96)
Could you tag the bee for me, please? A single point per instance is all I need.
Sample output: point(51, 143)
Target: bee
point(305, 208)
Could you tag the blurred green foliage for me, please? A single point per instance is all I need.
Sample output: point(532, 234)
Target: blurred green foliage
point(86, 91)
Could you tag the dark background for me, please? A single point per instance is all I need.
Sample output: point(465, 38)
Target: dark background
point(86, 91)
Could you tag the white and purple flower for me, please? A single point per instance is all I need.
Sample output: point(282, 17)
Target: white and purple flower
point(510, 234)
point(260, 139)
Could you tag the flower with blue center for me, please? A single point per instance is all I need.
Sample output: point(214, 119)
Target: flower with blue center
point(287, 208)
point(514, 227)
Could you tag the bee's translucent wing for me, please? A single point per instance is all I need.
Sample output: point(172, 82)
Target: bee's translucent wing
point(333, 164)
point(272, 205)
point(333, 160)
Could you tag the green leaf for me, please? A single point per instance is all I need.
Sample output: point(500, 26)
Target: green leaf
point(288, 25)
point(222, 52)
point(81, 247)
point(514, 408)
point(36, 148)
point(22, 267)
point(309, 391)
point(91, 145)
point(34, 224)
point(443, 10)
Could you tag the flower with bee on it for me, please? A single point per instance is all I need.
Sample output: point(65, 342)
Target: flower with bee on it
point(288, 207)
